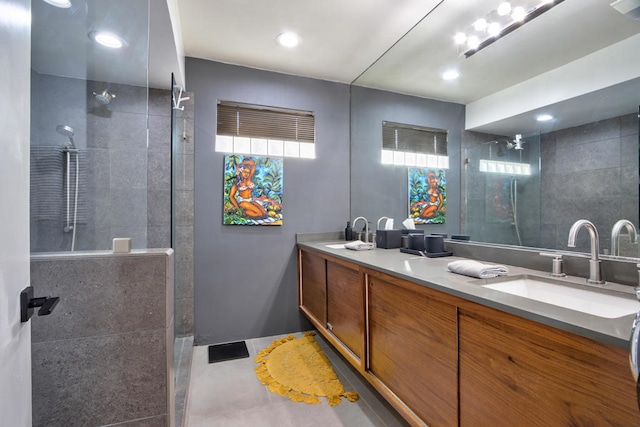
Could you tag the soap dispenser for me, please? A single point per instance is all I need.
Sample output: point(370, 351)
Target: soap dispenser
point(348, 232)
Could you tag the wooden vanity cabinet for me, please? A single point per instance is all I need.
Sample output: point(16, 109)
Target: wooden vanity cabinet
point(413, 347)
point(516, 372)
point(441, 360)
point(345, 306)
point(312, 292)
point(331, 295)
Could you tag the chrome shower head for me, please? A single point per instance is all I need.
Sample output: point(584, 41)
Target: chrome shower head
point(517, 143)
point(104, 97)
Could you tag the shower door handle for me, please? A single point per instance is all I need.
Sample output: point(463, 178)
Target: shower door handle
point(28, 303)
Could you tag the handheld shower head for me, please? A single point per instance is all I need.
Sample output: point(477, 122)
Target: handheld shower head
point(67, 131)
point(104, 97)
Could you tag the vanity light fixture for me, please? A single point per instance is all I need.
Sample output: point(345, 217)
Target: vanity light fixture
point(107, 39)
point(504, 8)
point(544, 117)
point(288, 39)
point(63, 4)
point(499, 22)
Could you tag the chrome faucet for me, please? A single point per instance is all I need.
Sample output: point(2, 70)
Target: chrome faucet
point(366, 227)
point(594, 262)
point(615, 235)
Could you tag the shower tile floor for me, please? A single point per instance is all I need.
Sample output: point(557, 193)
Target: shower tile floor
point(228, 394)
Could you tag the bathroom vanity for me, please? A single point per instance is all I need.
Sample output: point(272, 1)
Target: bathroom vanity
point(446, 351)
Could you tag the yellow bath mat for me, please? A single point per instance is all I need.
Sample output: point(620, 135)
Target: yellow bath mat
point(299, 369)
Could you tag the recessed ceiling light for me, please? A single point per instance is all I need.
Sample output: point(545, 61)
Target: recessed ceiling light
point(107, 39)
point(288, 39)
point(64, 4)
point(544, 117)
point(450, 75)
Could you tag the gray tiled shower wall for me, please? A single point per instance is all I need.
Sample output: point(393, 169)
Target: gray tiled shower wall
point(104, 356)
point(159, 194)
point(112, 140)
point(591, 172)
point(128, 185)
point(183, 215)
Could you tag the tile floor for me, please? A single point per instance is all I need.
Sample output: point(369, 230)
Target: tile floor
point(228, 394)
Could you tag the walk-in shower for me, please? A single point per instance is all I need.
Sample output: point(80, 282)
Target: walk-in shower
point(90, 177)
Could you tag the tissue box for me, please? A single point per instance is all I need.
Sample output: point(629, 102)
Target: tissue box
point(388, 239)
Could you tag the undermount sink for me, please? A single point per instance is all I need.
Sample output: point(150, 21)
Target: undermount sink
point(563, 294)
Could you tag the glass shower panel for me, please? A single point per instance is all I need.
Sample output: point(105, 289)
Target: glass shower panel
point(502, 196)
point(89, 109)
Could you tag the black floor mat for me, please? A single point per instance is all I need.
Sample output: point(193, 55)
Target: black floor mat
point(228, 351)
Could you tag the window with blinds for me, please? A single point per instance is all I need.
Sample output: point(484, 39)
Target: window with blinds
point(410, 145)
point(252, 129)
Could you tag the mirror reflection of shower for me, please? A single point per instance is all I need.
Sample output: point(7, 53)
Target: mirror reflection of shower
point(501, 192)
point(70, 149)
point(503, 148)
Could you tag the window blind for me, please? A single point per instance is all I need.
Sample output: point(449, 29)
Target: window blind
point(265, 122)
point(402, 137)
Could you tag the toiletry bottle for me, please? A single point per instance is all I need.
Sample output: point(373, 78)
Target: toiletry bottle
point(348, 232)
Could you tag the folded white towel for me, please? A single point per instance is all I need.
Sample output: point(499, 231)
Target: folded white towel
point(477, 269)
point(359, 245)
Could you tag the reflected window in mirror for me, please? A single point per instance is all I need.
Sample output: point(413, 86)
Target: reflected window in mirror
point(409, 145)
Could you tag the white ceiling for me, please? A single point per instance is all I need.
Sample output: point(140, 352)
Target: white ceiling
point(339, 39)
point(405, 45)
point(396, 45)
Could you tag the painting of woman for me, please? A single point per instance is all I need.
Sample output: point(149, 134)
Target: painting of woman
point(427, 196)
point(253, 190)
point(241, 193)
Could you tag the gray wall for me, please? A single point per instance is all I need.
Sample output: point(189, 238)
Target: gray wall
point(104, 356)
point(246, 276)
point(382, 190)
